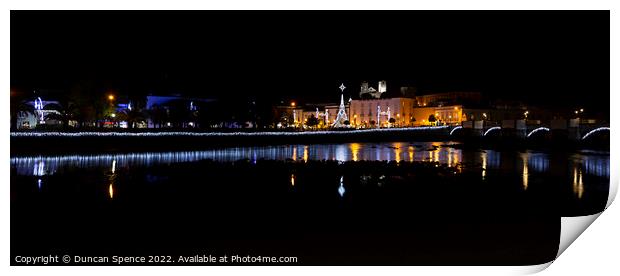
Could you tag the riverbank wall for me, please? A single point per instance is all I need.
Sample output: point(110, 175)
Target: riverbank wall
point(83, 142)
point(46, 143)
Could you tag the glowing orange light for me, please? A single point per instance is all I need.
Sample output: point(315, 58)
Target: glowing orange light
point(111, 97)
point(111, 191)
point(292, 103)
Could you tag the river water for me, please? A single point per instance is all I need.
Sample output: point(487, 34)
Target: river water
point(353, 203)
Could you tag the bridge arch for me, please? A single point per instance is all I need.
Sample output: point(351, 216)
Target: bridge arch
point(454, 129)
point(491, 129)
point(594, 131)
point(537, 130)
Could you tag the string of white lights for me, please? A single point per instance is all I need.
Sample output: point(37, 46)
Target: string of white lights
point(594, 131)
point(216, 134)
point(456, 128)
point(537, 130)
point(491, 129)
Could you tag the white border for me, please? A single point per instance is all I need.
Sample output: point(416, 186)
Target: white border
point(312, 5)
point(594, 253)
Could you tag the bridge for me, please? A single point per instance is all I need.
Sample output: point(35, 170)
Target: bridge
point(574, 130)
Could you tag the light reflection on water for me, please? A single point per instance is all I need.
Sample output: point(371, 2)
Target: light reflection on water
point(484, 165)
point(529, 162)
point(341, 189)
point(593, 164)
point(42, 165)
point(578, 182)
point(539, 162)
point(525, 174)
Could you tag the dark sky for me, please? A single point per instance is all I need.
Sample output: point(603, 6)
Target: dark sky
point(539, 57)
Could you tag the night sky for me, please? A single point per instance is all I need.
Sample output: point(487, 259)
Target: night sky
point(545, 58)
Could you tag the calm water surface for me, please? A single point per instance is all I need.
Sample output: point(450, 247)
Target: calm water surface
point(588, 162)
point(424, 203)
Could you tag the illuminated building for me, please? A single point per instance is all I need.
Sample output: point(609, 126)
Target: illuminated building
point(456, 114)
point(382, 86)
point(363, 113)
point(290, 115)
point(372, 93)
point(43, 111)
point(449, 98)
point(443, 115)
point(167, 101)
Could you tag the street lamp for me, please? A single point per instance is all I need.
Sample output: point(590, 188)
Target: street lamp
point(293, 104)
point(111, 97)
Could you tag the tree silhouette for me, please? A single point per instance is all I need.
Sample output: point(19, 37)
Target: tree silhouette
point(431, 118)
point(158, 115)
point(312, 121)
point(132, 117)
